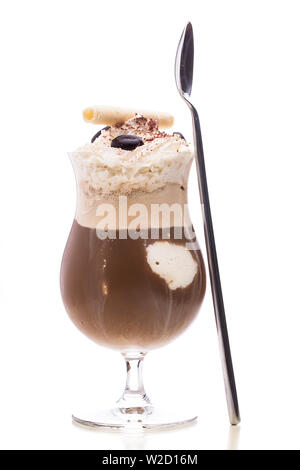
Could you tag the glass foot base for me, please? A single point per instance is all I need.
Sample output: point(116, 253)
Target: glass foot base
point(151, 420)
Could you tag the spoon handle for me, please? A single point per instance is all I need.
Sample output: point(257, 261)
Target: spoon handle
point(227, 366)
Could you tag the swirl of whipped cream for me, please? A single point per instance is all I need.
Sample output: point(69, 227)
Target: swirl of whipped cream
point(103, 169)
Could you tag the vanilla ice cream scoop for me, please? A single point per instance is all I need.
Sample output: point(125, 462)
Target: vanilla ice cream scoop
point(173, 263)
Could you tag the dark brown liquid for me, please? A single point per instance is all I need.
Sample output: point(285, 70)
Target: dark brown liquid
point(113, 296)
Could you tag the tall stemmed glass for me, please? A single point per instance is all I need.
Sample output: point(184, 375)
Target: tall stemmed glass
point(132, 274)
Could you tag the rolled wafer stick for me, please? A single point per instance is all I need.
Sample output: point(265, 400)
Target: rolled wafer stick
point(111, 116)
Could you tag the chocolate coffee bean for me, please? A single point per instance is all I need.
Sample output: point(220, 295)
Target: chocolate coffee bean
point(127, 142)
point(180, 135)
point(99, 133)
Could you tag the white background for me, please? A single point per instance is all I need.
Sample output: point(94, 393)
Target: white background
point(58, 57)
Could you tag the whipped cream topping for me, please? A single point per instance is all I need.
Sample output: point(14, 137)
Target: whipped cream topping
point(103, 169)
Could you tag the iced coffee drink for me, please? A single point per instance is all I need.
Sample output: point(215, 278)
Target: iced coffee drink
point(132, 275)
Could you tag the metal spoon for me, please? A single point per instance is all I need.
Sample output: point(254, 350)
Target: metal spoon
point(184, 65)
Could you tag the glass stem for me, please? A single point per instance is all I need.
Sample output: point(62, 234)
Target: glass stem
point(134, 398)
